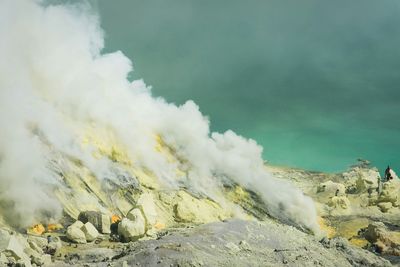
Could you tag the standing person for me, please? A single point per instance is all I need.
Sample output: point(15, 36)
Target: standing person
point(388, 173)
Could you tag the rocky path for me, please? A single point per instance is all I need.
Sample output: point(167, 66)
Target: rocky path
point(230, 243)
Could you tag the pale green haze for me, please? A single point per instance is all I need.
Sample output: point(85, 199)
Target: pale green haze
point(316, 83)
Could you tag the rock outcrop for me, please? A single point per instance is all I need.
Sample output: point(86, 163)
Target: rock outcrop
point(386, 242)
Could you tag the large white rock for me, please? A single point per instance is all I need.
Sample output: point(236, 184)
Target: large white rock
point(75, 234)
point(105, 224)
point(90, 231)
point(132, 230)
point(148, 207)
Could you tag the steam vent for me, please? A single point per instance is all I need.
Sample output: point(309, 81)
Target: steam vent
point(97, 170)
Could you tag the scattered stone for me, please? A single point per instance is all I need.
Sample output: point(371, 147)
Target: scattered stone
point(75, 234)
point(90, 231)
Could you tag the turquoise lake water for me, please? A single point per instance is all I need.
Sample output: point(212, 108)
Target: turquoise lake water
point(316, 83)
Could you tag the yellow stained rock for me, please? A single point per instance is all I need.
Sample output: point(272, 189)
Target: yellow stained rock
point(191, 209)
point(53, 227)
point(159, 225)
point(37, 229)
point(326, 228)
point(105, 141)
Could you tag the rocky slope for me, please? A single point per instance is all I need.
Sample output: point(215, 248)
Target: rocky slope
point(136, 221)
point(357, 205)
point(94, 170)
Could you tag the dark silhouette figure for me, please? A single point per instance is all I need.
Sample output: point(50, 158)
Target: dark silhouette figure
point(388, 175)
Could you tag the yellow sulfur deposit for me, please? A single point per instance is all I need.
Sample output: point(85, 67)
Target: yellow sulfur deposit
point(37, 229)
point(327, 229)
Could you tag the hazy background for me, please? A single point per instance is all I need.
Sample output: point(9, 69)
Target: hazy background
point(315, 82)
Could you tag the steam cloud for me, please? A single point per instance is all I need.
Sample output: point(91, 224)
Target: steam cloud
point(54, 80)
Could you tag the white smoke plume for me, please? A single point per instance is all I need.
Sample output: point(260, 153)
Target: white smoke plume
point(54, 79)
